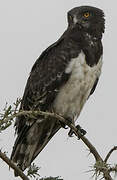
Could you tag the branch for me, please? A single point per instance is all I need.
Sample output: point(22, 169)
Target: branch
point(13, 166)
point(113, 169)
point(103, 167)
point(53, 115)
point(85, 140)
point(109, 154)
point(8, 111)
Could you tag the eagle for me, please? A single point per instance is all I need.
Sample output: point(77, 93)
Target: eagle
point(61, 81)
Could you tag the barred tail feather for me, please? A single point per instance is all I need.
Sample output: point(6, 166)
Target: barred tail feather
point(31, 142)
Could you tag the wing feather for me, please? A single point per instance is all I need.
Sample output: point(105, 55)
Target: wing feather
point(46, 78)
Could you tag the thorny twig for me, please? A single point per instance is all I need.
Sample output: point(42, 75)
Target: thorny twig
point(100, 166)
point(8, 115)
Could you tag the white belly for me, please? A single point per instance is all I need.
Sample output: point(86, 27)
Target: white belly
point(74, 93)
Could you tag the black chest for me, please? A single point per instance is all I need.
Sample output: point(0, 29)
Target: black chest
point(92, 48)
point(91, 45)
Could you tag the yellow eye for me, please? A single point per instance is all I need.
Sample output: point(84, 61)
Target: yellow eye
point(86, 15)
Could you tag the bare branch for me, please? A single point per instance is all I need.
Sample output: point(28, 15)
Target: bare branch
point(109, 154)
point(113, 169)
point(103, 167)
point(106, 175)
point(76, 132)
point(13, 166)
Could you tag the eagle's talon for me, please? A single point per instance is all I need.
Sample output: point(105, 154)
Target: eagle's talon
point(70, 133)
point(82, 132)
point(63, 125)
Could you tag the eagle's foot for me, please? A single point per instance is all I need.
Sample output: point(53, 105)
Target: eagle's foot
point(63, 125)
point(79, 129)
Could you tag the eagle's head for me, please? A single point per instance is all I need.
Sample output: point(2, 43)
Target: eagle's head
point(88, 19)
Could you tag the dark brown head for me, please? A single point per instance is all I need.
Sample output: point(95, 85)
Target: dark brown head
point(89, 19)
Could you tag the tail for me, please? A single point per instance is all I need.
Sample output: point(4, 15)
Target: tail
point(31, 141)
